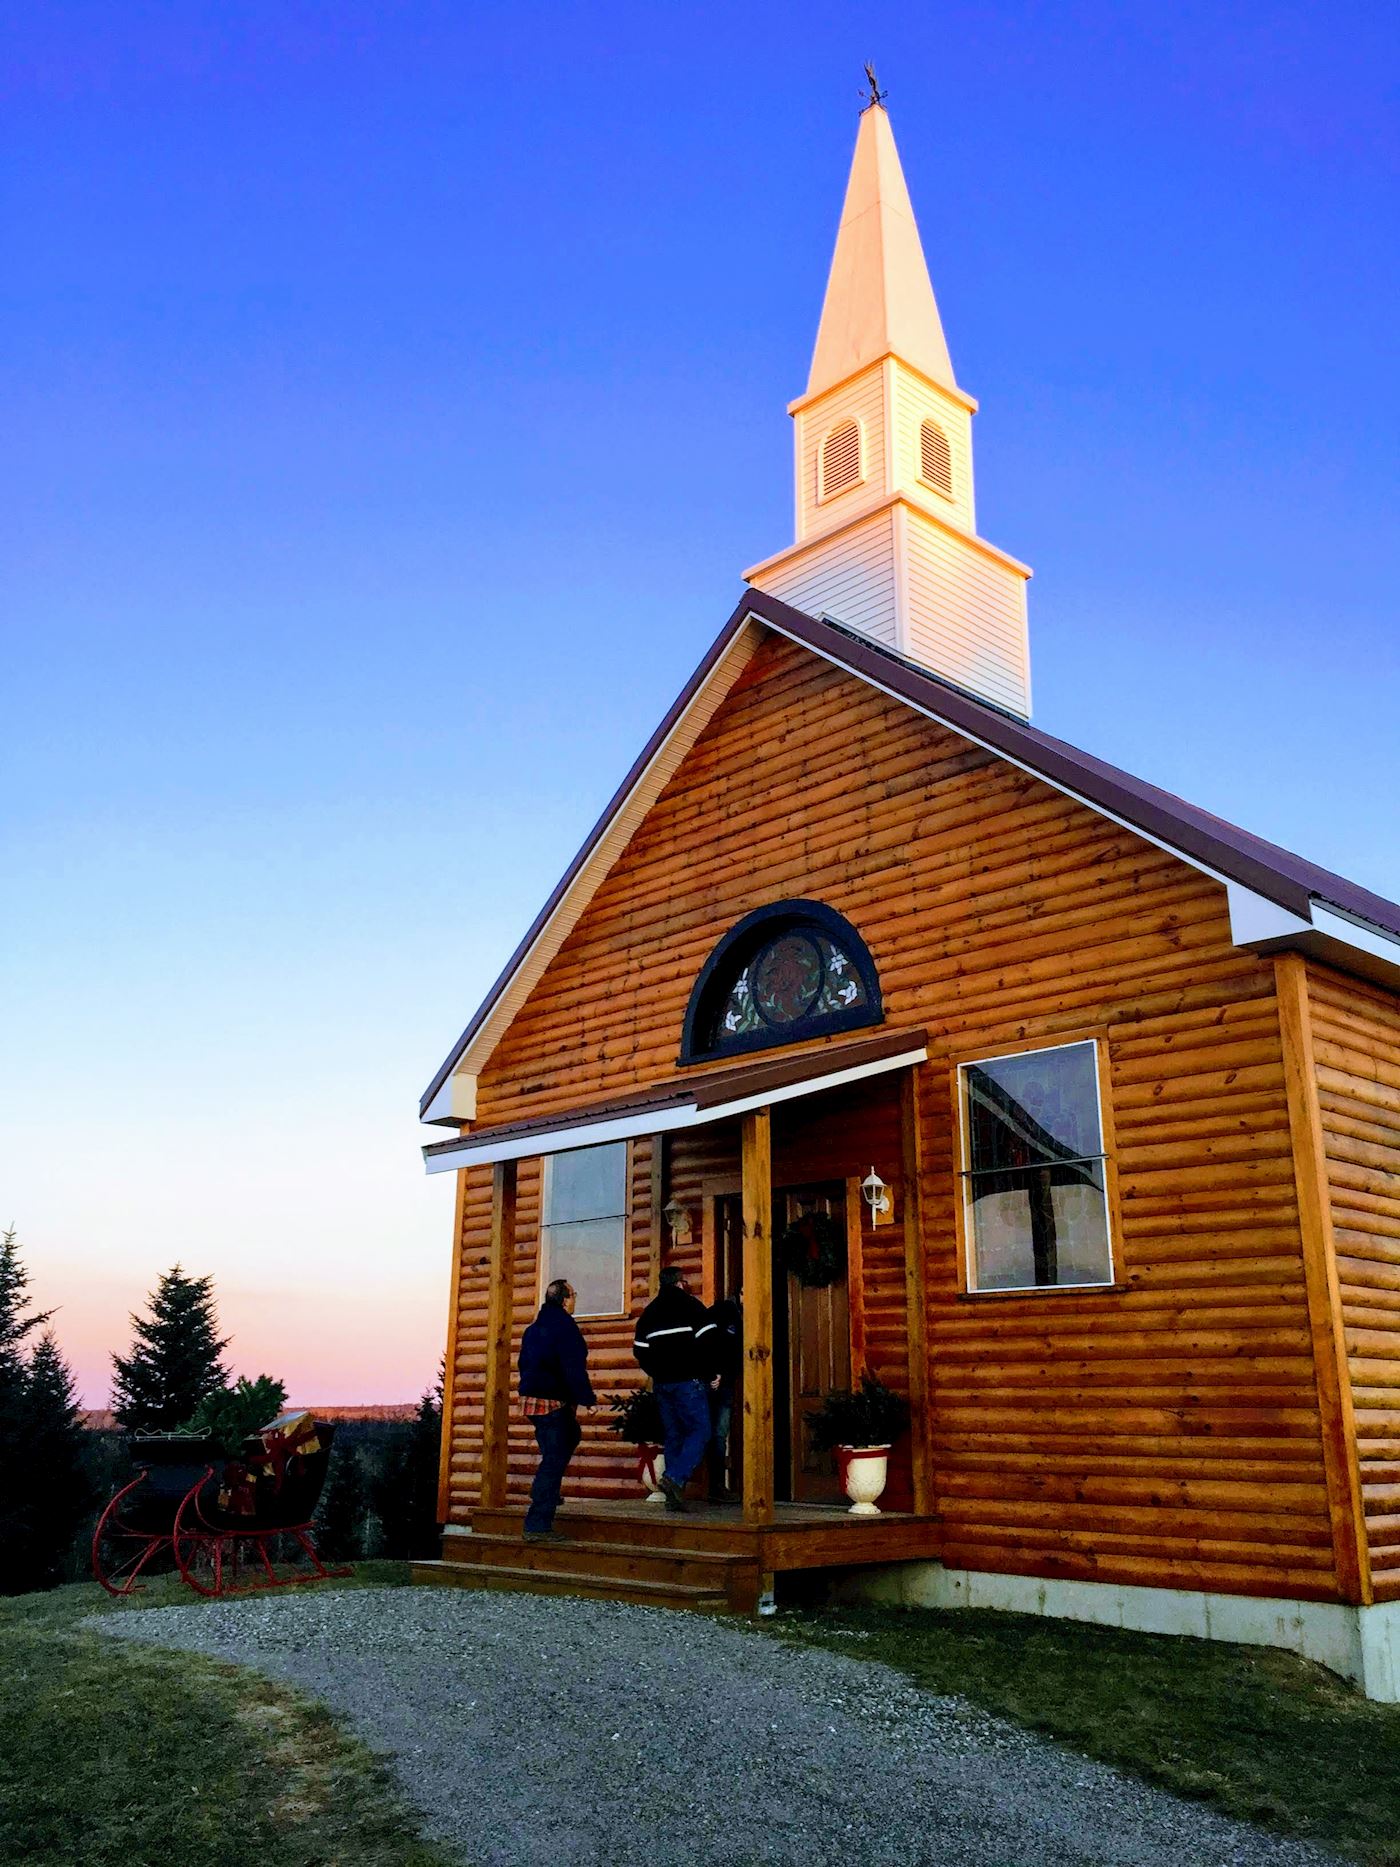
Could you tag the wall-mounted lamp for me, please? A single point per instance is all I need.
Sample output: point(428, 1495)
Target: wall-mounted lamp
point(678, 1219)
point(877, 1196)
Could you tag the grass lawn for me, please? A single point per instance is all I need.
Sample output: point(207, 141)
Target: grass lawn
point(1259, 1733)
point(111, 1752)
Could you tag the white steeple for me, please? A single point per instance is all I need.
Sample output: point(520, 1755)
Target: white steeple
point(886, 523)
point(879, 301)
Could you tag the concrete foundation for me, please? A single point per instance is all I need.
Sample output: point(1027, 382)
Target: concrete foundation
point(1362, 1644)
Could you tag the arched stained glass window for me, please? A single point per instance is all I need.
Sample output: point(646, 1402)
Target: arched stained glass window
point(794, 970)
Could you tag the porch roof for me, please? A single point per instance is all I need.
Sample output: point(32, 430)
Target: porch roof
point(713, 1096)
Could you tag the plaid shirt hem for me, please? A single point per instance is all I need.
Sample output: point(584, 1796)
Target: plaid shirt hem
point(532, 1407)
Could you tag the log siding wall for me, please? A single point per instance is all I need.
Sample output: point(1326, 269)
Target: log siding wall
point(1356, 1046)
point(1165, 1431)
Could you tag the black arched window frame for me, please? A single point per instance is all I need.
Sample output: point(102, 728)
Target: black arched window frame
point(739, 947)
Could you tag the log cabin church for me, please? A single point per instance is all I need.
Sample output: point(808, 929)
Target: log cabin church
point(1129, 1076)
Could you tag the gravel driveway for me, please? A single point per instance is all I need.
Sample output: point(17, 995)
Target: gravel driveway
point(535, 1731)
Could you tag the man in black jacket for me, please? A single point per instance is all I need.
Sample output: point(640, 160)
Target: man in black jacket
point(554, 1384)
point(673, 1344)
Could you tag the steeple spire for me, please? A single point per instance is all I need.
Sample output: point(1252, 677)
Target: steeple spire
point(878, 297)
point(887, 539)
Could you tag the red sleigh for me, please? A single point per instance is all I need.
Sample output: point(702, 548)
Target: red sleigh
point(224, 1523)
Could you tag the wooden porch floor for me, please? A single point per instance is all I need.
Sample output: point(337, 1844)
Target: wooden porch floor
point(706, 1557)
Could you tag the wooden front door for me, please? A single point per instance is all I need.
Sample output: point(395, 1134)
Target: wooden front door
point(818, 1347)
point(811, 1341)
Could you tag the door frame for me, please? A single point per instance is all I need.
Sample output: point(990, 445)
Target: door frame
point(720, 1280)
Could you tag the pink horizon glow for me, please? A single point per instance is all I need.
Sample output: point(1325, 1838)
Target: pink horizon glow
point(330, 1349)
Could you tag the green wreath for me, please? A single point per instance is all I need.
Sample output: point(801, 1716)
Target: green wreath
point(813, 1248)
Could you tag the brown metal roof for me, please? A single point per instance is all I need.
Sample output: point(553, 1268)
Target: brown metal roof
point(703, 1090)
point(1260, 866)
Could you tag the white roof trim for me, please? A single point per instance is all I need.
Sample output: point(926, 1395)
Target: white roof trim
point(1354, 932)
point(664, 763)
point(455, 1101)
point(480, 1151)
point(1253, 917)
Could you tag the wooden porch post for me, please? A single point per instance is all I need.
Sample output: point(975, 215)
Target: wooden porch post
point(757, 1171)
point(499, 1315)
point(1335, 1403)
point(449, 1361)
point(920, 1424)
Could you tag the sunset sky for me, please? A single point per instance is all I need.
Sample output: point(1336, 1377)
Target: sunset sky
point(392, 398)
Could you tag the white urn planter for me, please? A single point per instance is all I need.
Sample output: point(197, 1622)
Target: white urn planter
point(651, 1463)
point(864, 1470)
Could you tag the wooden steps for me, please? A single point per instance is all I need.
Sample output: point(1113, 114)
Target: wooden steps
point(590, 1587)
point(704, 1558)
point(612, 1569)
point(715, 1533)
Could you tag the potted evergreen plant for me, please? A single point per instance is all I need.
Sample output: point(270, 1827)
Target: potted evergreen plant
point(860, 1428)
point(638, 1422)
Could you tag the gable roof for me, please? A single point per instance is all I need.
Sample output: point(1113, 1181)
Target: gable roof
point(1319, 910)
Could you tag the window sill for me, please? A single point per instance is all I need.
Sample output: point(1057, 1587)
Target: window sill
point(1042, 1290)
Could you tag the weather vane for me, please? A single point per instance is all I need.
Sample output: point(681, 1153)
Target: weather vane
point(877, 96)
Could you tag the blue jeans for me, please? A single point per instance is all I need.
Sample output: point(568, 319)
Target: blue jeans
point(556, 1434)
point(685, 1420)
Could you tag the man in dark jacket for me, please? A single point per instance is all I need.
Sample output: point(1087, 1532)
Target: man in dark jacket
point(554, 1384)
point(672, 1343)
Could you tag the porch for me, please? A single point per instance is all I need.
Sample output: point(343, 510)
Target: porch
point(727, 1170)
point(710, 1558)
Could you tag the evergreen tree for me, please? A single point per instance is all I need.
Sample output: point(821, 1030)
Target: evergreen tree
point(425, 1456)
point(175, 1359)
point(44, 1489)
point(340, 1515)
point(16, 1499)
point(55, 1453)
point(403, 1485)
point(15, 1326)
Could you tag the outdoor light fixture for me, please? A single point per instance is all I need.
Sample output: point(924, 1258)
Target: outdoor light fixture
point(877, 1195)
point(676, 1216)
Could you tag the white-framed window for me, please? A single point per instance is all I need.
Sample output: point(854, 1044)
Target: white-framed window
point(839, 462)
point(935, 459)
point(1035, 1170)
point(583, 1226)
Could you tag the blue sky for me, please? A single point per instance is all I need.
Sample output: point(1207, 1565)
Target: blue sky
point(392, 397)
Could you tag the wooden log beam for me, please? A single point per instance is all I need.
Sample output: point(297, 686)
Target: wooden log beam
point(756, 1160)
point(496, 1387)
point(657, 1222)
point(449, 1384)
point(911, 1149)
point(855, 1277)
point(1334, 1395)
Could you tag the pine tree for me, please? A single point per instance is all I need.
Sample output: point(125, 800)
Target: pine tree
point(402, 1488)
point(340, 1515)
point(424, 1457)
point(15, 1326)
point(17, 1503)
point(43, 1484)
point(54, 1452)
point(175, 1359)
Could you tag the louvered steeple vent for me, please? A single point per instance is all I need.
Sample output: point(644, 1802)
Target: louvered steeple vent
point(886, 526)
